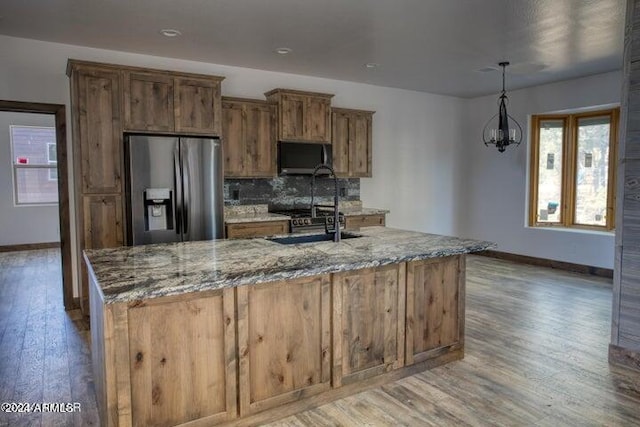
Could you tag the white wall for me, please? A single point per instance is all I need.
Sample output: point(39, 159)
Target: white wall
point(496, 184)
point(417, 136)
point(22, 224)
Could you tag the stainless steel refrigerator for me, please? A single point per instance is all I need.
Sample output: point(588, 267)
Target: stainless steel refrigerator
point(174, 189)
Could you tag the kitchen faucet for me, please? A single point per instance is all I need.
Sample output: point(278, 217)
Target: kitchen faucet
point(336, 213)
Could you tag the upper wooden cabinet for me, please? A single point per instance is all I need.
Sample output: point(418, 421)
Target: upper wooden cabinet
point(302, 116)
point(352, 142)
point(197, 105)
point(97, 129)
point(160, 101)
point(248, 138)
point(148, 101)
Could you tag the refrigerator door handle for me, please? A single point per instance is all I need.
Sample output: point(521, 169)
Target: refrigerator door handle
point(186, 177)
point(178, 187)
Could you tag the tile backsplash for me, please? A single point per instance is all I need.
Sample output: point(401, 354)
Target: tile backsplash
point(287, 191)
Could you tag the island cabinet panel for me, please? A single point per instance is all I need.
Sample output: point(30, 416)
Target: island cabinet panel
point(435, 307)
point(97, 135)
point(368, 323)
point(302, 116)
point(148, 101)
point(197, 105)
point(249, 138)
point(284, 342)
point(182, 358)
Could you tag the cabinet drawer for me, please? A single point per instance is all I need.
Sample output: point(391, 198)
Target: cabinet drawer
point(256, 229)
point(355, 222)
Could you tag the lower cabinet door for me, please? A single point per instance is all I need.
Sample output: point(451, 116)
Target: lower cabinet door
point(182, 359)
point(284, 341)
point(368, 322)
point(435, 307)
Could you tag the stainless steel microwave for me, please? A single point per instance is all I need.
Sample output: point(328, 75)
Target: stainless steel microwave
point(300, 158)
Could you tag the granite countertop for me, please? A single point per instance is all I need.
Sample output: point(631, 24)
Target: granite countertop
point(141, 272)
point(260, 213)
point(251, 213)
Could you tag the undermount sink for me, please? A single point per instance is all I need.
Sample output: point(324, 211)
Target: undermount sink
point(311, 238)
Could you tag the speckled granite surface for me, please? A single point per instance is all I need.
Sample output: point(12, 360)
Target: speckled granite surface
point(251, 213)
point(142, 272)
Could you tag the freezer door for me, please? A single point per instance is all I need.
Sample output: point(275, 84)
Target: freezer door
point(153, 204)
point(202, 185)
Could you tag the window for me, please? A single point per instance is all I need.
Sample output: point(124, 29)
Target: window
point(35, 165)
point(573, 170)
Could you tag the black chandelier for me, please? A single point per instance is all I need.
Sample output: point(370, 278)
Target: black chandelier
point(497, 132)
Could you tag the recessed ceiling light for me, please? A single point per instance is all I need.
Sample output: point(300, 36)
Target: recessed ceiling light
point(284, 50)
point(170, 32)
point(372, 65)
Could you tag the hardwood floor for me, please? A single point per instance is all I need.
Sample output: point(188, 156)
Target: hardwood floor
point(44, 351)
point(536, 354)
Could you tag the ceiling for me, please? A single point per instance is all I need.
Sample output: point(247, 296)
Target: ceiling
point(435, 46)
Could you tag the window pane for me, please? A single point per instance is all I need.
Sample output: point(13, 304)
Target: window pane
point(550, 171)
point(31, 144)
point(34, 186)
point(592, 170)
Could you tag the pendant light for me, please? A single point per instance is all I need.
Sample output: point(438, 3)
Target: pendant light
point(498, 132)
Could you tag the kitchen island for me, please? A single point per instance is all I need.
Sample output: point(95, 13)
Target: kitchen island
point(244, 331)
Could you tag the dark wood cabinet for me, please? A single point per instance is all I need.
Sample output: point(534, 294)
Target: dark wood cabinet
point(97, 150)
point(351, 134)
point(148, 101)
point(166, 102)
point(198, 105)
point(248, 137)
point(302, 116)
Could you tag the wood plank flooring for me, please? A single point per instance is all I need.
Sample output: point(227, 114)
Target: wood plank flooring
point(536, 354)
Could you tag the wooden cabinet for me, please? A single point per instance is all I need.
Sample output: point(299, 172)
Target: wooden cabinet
point(246, 230)
point(354, 222)
point(368, 323)
point(98, 164)
point(352, 142)
point(248, 138)
point(435, 307)
point(165, 102)
point(198, 105)
point(182, 358)
point(97, 125)
point(148, 101)
point(102, 221)
point(165, 361)
point(284, 338)
point(302, 116)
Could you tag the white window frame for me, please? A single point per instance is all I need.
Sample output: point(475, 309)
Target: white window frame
point(15, 167)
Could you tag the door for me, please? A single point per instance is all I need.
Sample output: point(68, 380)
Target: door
point(152, 168)
point(202, 187)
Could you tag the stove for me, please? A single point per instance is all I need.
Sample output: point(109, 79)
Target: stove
point(302, 222)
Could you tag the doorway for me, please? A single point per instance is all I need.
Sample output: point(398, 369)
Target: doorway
point(59, 114)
